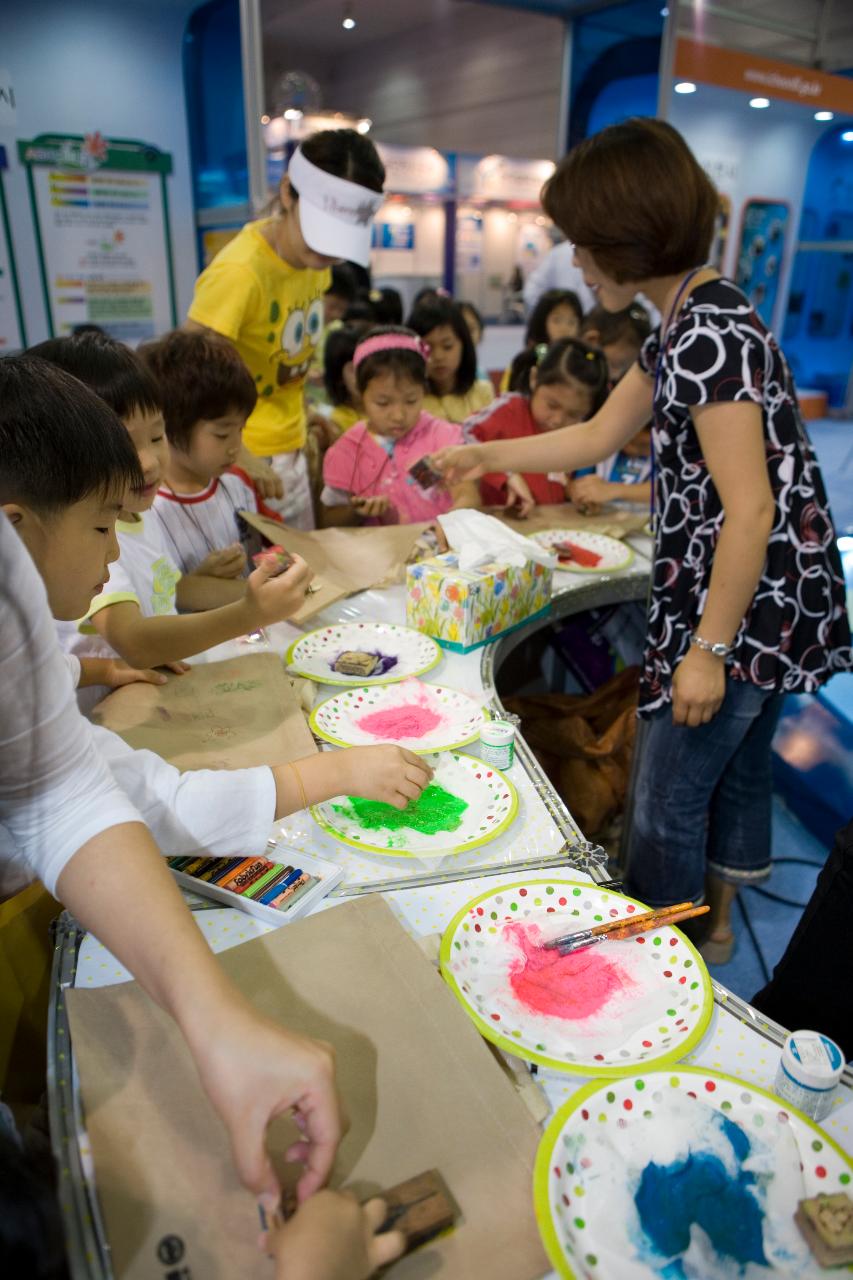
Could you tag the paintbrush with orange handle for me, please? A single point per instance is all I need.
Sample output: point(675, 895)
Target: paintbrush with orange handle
point(616, 930)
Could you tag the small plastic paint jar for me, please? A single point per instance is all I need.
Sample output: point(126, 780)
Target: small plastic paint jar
point(809, 1072)
point(497, 743)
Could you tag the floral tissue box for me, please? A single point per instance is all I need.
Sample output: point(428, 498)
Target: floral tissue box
point(463, 609)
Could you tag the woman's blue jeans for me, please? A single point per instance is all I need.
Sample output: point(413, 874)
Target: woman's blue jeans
point(701, 798)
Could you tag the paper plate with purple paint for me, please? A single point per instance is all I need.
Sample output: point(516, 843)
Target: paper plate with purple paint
point(466, 805)
point(399, 652)
point(607, 1010)
point(421, 717)
point(585, 551)
point(681, 1175)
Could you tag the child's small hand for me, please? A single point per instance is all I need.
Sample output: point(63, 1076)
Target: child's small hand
point(333, 1237)
point(371, 508)
point(228, 562)
point(179, 668)
point(118, 673)
point(386, 773)
point(520, 501)
point(588, 493)
point(272, 597)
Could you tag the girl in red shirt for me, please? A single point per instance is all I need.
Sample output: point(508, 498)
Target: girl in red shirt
point(555, 387)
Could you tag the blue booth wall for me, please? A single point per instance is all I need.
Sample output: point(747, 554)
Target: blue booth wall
point(89, 65)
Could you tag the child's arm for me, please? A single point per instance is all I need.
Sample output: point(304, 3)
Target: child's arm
point(113, 673)
point(333, 1237)
point(354, 512)
point(227, 562)
point(592, 491)
point(624, 412)
point(466, 494)
point(387, 773)
point(197, 592)
point(150, 642)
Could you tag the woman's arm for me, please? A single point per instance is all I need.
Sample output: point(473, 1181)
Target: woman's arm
point(626, 410)
point(732, 440)
point(466, 494)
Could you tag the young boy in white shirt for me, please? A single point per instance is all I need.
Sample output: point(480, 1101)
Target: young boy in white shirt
point(207, 395)
point(136, 615)
point(65, 463)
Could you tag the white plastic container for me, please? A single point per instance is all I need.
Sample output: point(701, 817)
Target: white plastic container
point(809, 1072)
point(497, 743)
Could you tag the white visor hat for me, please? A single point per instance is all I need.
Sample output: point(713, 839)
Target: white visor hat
point(336, 216)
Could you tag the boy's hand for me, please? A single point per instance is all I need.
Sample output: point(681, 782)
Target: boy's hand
point(461, 462)
point(333, 1237)
point(588, 493)
point(519, 499)
point(228, 562)
point(272, 597)
point(371, 508)
point(386, 773)
point(117, 673)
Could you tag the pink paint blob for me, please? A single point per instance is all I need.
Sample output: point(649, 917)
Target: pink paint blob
point(571, 987)
point(411, 721)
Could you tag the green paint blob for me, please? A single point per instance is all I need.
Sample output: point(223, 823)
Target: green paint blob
point(435, 810)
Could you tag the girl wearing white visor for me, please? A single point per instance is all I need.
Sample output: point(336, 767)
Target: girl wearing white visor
point(264, 292)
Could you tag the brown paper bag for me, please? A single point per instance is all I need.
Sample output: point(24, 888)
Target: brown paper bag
point(421, 1088)
point(351, 559)
point(615, 523)
point(220, 715)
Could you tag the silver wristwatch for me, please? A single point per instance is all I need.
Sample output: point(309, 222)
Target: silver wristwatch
point(719, 650)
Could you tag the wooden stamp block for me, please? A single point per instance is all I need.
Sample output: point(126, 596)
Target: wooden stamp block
point(421, 1208)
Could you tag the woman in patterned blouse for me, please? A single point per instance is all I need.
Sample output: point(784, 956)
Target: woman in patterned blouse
point(747, 598)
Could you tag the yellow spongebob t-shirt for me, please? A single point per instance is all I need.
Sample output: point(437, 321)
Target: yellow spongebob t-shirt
point(273, 314)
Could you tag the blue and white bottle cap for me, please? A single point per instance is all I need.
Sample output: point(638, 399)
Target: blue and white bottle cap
point(812, 1060)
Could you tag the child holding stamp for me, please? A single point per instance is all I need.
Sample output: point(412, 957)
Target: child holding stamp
point(376, 472)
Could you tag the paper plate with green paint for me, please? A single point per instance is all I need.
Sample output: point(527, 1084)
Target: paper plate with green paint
point(466, 805)
point(687, 1173)
point(400, 652)
point(420, 717)
point(608, 1010)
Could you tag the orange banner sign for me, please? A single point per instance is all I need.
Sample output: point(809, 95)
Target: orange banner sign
point(762, 77)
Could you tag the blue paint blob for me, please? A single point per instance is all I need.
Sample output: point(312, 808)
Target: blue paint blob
point(700, 1190)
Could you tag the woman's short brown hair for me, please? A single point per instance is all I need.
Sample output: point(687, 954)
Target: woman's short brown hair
point(637, 199)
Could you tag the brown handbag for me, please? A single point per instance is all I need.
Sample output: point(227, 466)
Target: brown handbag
point(584, 742)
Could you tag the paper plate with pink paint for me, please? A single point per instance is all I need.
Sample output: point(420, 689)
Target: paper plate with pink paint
point(595, 552)
point(421, 717)
point(608, 1010)
point(400, 651)
point(684, 1172)
point(466, 805)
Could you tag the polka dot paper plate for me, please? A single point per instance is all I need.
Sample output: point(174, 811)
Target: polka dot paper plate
point(608, 1010)
point(466, 805)
point(598, 553)
point(402, 652)
point(688, 1173)
point(421, 717)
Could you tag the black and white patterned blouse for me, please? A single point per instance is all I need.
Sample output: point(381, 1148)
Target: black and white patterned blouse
point(796, 633)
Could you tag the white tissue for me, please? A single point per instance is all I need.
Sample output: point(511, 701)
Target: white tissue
point(479, 539)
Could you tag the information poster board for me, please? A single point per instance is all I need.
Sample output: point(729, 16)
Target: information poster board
point(12, 333)
point(101, 216)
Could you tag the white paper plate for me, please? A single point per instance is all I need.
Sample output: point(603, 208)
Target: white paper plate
point(439, 719)
point(610, 1010)
point(614, 554)
point(611, 1157)
point(492, 805)
point(404, 651)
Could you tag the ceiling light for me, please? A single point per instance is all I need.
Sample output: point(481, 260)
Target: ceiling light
point(664, 13)
point(293, 113)
point(847, 135)
point(363, 125)
point(685, 86)
point(824, 115)
point(265, 119)
point(759, 103)
point(348, 21)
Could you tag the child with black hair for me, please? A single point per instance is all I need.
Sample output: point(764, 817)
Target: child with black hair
point(619, 334)
point(454, 391)
point(366, 473)
point(556, 387)
point(136, 615)
point(207, 394)
point(340, 380)
point(558, 314)
point(387, 305)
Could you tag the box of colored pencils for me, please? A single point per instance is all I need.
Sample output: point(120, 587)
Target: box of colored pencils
point(275, 888)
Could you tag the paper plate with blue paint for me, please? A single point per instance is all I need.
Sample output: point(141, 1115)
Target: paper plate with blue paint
point(681, 1175)
point(400, 652)
point(466, 805)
